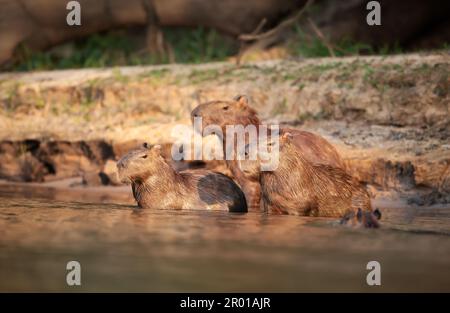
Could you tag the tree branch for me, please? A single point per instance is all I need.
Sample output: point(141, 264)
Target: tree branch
point(321, 37)
point(280, 27)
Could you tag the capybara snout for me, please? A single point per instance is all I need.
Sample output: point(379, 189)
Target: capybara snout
point(134, 163)
point(362, 218)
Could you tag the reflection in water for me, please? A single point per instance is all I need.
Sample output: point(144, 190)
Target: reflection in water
point(124, 249)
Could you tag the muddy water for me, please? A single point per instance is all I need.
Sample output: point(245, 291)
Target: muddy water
point(123, 249)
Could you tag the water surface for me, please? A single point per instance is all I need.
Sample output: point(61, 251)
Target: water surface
point(124, 249)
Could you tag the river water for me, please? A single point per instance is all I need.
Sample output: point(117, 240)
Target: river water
point(121, 248)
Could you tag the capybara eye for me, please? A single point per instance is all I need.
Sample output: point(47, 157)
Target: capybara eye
point(144, 156)
point(225, 108)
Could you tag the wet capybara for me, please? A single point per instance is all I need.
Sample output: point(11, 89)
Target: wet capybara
point(299, 187)
point(314, 148)
point(156, 185)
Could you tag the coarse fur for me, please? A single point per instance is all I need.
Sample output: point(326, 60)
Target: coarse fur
point(299, 187)
point(315, 148)
point(156, 185)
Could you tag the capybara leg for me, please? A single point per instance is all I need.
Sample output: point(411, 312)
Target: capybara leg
point(252, 193)
point(253, 200)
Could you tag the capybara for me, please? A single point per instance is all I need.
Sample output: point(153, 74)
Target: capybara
point(314, 148)
point(156, 185)
point(299, 187)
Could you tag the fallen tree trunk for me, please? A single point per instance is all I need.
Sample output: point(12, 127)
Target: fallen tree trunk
point(40, 24)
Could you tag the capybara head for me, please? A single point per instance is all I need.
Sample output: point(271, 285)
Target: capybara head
point(139, 164)
point(255, 156)
point(362, 218)
point(222, 113)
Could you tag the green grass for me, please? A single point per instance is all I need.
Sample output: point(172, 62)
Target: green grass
point(310, 46)
point(199, 45)
point(198, 76)
point(308, 116)
point(155, 74)
point(122, 47)
point(111, 49)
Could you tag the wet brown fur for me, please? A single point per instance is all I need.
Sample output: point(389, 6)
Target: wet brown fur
point(299, 187)
point(156, 185)
point(237, 112)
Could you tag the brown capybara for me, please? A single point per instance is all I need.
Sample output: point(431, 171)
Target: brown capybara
point(315, 148)
point(298, 187)
point(156, 185)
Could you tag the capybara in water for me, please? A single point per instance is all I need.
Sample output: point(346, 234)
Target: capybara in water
point(300, 187)
point(156, 185)
point(315, 148)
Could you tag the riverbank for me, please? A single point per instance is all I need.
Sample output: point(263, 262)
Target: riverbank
point(387, 115)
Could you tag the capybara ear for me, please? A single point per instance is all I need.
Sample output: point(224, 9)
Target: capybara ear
point(242, 100)
point(286, 136)
point(377, 213)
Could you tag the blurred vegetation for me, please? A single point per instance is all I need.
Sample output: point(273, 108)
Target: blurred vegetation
point(118, 48)
point(308, 46)
point(199, 45)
